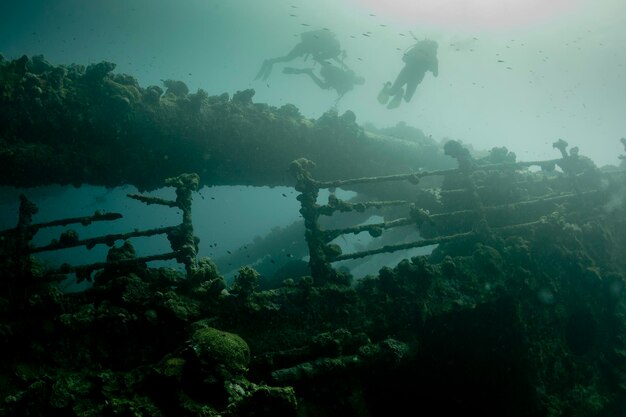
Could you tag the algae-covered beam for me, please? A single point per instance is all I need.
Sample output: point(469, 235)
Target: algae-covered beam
point(87, 269)
point(89, 125)
point(404, 246)
point(321, 270)
point(70, 239)
point(479, 232)
point(84, 220)
point(147, 199)
point(335, 204)
point(183, 241)
point(374, 229)
point(520, 204)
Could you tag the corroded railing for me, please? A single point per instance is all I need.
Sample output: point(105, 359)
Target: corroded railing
point(181, 238)
point(323, 253)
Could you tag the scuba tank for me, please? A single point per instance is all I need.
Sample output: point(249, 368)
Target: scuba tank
point(422, 50)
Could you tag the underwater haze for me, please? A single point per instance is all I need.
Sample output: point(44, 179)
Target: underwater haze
point(519, 74)
point(313, 208)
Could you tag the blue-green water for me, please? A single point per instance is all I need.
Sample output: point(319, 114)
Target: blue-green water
point(515, 73)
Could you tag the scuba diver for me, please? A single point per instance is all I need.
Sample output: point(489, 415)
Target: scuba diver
point(422, 57)
point(331, 77)
point(320, 44)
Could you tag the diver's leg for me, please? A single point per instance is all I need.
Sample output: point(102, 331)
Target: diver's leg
point(401, 79)
point(397, 90)
point(266, 69)
point(298, 50)
point(291, 70)
point(396, 100)
point(411, 86)
point(394, 89)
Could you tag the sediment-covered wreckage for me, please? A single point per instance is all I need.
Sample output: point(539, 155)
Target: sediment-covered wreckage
point(518, 311)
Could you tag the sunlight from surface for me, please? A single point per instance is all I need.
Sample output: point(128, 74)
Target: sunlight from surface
point(477, 14)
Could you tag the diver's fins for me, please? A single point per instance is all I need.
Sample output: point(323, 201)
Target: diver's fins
point(383, 96)
point(265, 70)
point(395, 101)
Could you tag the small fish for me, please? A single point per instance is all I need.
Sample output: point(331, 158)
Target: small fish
point(293, 15)
point(383, 26)
point(401, 34)
point(509, 68)
point(365, 34)
point(305, 24)
point(372, 14)
point(500, 60)
point(360, 59)
point(284, 195)
point(229, 252)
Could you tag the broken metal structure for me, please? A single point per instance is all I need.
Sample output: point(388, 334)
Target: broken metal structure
point(465, 212)
point(181, 238)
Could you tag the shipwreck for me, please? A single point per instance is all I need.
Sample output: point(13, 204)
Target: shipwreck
point(518, 311)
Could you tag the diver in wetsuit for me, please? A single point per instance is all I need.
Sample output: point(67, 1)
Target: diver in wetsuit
point(321, 45)
point(332, 77)
point(422, 57)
